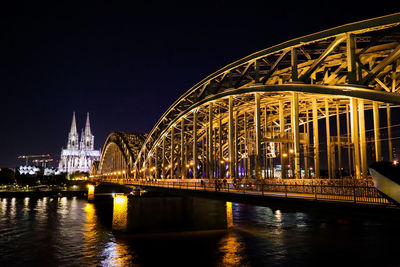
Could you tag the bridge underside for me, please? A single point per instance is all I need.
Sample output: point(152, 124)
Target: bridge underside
point(315, 106)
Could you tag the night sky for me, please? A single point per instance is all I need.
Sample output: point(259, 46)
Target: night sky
point(125, 64)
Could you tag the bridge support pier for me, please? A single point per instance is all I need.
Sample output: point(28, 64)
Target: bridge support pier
point(120, 212)
point(162, 214)
point(91, 189)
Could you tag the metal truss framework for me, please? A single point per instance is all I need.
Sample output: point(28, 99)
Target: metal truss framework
point(119, 153)
point(265, 109)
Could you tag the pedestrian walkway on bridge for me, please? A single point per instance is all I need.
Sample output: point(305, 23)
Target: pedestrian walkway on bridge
point(359, 192)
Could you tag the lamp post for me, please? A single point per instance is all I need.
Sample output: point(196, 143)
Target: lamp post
point(291, 153)
point(283, 168)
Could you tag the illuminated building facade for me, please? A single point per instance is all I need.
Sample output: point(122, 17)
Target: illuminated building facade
point(79, 156)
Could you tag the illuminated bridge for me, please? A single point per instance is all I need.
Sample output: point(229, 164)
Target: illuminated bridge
point(314, 107)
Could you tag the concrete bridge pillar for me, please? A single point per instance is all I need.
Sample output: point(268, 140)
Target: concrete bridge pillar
point(91, 189)
point(120, 212)
point(162, 214)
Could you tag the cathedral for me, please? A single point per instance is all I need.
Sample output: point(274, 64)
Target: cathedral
point(79, 155)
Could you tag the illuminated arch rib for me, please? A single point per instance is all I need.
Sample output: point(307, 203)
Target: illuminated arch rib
point(119, 153)
point(312, 76)
point(378, 47)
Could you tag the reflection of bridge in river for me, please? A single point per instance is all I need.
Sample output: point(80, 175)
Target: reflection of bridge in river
point(300, 109)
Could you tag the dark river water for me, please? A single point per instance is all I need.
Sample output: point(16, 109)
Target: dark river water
point(72, 232)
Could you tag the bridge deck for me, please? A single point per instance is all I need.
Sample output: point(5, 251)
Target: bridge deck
point(351, 194)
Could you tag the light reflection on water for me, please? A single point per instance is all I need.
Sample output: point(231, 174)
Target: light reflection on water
point(232, 250)
point(116, 254)
point(13, 210)
point(100, 244)
point(70, 231)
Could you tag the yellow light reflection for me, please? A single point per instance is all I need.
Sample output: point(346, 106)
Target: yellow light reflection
point(90, 213)
point(229, 215)
point(114, 253)
point(64, 201)
point(4, 205)
point(278, 216)
point(120, 212)
point(26, 205)
point(90, 233)
point(91, 192)
point(278, 223)
point(13, 209)
point(232, 249)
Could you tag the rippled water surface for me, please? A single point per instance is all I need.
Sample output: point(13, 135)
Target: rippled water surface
point(72, 232)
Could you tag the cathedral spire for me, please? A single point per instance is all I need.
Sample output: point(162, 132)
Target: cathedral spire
point(87, 127)
point(82, 143)
point(73, 125)
point(73, 135)
point(88, 137)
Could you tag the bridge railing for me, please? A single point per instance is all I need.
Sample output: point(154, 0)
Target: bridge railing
point(359, 192)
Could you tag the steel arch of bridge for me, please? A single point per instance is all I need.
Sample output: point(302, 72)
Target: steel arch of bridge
point(268, 104)
point(119, 153)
